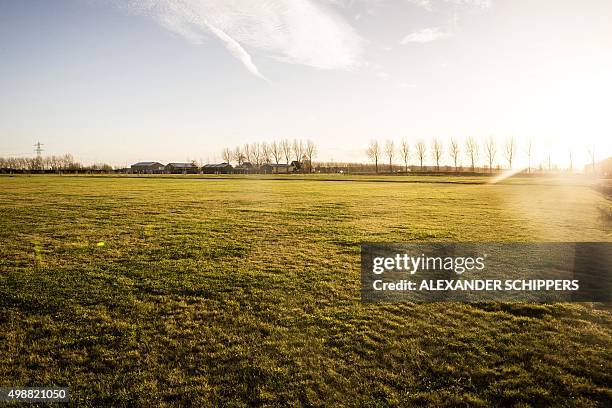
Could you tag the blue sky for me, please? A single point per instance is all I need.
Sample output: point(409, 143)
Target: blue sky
point(173, 80)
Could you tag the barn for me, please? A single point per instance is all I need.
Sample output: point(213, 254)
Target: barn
point(220, 168)
point(181, 168)
point(277, 168)
point(147, 167)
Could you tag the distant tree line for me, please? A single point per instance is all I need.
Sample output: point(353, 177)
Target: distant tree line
point(471, 150)
point(63, 163)
point(389, 156)
point(277, 152)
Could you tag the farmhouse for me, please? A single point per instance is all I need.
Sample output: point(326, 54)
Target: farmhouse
point(221, 168)
point(297, 166)
point(147, 167)
point(282, 168)
point(181, 168)
point(277, 168)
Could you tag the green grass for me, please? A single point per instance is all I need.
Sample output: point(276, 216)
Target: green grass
point(245, 291)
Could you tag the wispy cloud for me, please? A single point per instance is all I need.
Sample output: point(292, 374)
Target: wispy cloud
point(305, 32)
point(425, 35)
point(237, 51)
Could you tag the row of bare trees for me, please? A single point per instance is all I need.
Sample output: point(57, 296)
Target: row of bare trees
point(65, 162)
point(471, 150)
point(283, 151)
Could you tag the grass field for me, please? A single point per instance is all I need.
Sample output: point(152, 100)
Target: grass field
point(245, 291)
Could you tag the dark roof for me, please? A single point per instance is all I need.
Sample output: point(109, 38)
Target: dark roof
point(182, 165)
point(219, 165)
point(147, 164)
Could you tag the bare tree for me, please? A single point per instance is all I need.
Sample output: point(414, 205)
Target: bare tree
point(373, 152)
point(265, 152)
point(247, 152)
point(529, 153)
point(405, 151)
point(454, 151)
point(68, 162)
point(275, 149)
point(310, 149)
point(49, 162)
point(285, 146)
point(226, 155)
point(490, 151)
point(298, 150)
point(389, 151)
point(510, 150)
point(36, 163)
point(238, 156)
point(436, 151)
point(256, 153)
point(421, 149)
point(471, 148)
